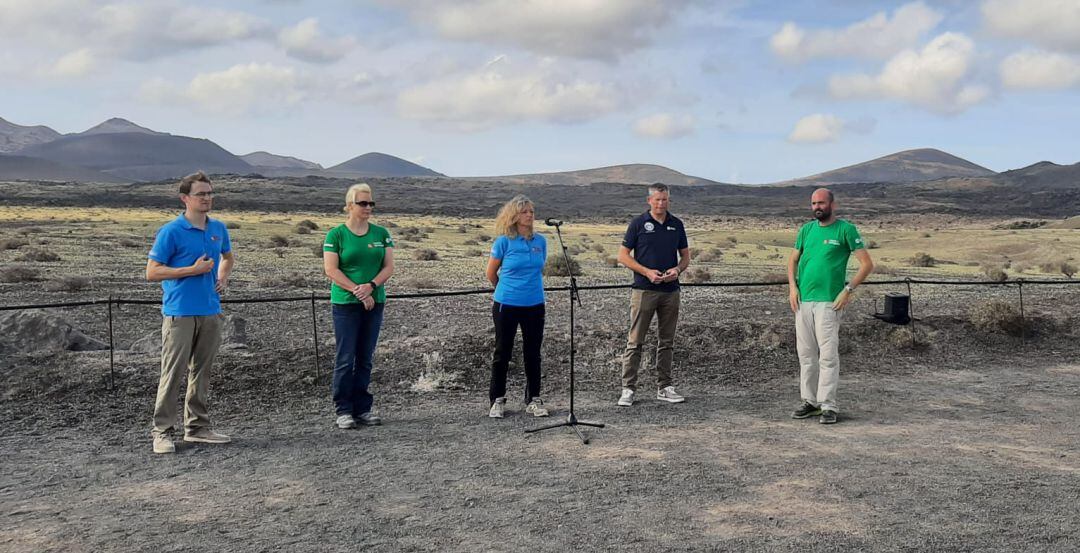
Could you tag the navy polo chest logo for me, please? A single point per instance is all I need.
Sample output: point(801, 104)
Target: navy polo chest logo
point(649, 227)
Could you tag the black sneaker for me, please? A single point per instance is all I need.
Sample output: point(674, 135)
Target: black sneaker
point(807, 410)
point(828, 417)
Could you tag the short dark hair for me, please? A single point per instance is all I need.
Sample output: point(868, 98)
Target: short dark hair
point(186, 182)
point(657, 187)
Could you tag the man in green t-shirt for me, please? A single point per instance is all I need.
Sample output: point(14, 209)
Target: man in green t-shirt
point(818, 292)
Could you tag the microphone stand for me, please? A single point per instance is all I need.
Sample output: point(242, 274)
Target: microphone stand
point(571, 419)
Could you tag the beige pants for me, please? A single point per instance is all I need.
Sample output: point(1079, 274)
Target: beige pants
point(817, 338)
point(643, 304)
point(188, 344)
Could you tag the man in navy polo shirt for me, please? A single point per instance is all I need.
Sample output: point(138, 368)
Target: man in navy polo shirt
point(660, 253)
point(192, 259)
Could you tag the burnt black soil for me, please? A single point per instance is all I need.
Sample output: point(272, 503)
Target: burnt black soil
point(966, 441)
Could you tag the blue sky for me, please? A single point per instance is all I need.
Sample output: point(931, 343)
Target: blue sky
point(736, 91)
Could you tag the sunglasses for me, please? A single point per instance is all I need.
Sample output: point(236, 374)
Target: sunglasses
point(365, 203)
point(202, 195)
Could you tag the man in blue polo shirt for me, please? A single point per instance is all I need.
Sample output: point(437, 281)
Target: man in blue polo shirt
point(192, 259)
point(660, 254)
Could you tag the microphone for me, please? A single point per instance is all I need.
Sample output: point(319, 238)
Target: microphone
point(553, 222)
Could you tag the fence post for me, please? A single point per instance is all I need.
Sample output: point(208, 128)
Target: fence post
point(1023, 319)
point(315, 338)
point(911, 312)
point(112, 363)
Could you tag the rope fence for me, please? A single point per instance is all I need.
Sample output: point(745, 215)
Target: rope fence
point(312, 298)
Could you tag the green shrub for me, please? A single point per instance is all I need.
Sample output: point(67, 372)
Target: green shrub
point(555, 266)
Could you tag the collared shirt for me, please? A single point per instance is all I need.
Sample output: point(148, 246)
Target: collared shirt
point(655, 245)
point(521, 275)
point(178, 244)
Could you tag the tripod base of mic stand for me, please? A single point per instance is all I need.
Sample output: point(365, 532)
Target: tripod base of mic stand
point(571, 421)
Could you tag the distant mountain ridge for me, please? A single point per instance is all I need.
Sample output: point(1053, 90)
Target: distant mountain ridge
point(266, 159)
point(16, 137)
point(139, 156)
point(376, 164)
point(117, 125)
point(16, 167)
point(633, 173)
point(922, 164)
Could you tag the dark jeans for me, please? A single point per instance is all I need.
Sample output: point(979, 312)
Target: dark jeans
point(507, 318)
point(356, 331)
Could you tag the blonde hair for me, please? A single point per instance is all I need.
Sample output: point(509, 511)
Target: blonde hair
point(506, 220)
point(355, 189)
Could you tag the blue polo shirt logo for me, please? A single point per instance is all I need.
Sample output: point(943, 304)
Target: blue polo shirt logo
point(649, 227)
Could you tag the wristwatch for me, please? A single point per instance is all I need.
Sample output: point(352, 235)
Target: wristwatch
point(849, 288)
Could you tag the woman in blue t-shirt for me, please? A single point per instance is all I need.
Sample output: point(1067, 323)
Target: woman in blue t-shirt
point(516, 269)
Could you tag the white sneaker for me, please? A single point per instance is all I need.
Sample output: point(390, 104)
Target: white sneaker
point(345, 422)
point(536, 408)
point(497, 408)
point(164, 444)
point(669, 395)
point(627, 398)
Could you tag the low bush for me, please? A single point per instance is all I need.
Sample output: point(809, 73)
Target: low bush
point(995, 273)
point(696, 274)
point(714, 254)
point(922, 259)
point(300, 229)
point(279, 241)
point(470, 242)
point(308, 224)
point(556, 266)
point(288, 280)
point(129, 243)
point(317, 251)
point(38, 255)
point(69, 284)
point(17, 274)
point(611, 261)
point(232, 225)
point(996, 316)
point(474, 252)
point(13, 243)
point(426, 255)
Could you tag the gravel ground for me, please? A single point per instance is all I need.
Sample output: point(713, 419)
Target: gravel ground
point(965, 442)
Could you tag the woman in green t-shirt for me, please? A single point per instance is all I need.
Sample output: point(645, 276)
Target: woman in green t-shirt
point(358, 256)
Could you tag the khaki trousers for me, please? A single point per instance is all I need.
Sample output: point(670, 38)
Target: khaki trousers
point(817, 339)
point(188, 344)
point(643, 304)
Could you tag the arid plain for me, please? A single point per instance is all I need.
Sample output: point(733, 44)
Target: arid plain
point(963, 439)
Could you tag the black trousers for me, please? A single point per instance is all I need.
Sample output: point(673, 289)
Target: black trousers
point(507, 319)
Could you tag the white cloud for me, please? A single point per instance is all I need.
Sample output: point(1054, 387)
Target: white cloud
point(1053, 24)
point(936, 78)
point(496, 94)
point(238, 90)
point(305, 41)
point(876, 37)
point(74, 64)
point(664, 126)
point(598, 29)
point(817, 128)
point(1037, 69)
point(125, 29)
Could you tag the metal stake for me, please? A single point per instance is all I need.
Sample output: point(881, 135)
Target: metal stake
point(315, 338)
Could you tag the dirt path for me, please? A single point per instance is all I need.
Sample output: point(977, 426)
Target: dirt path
point(981, 459)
